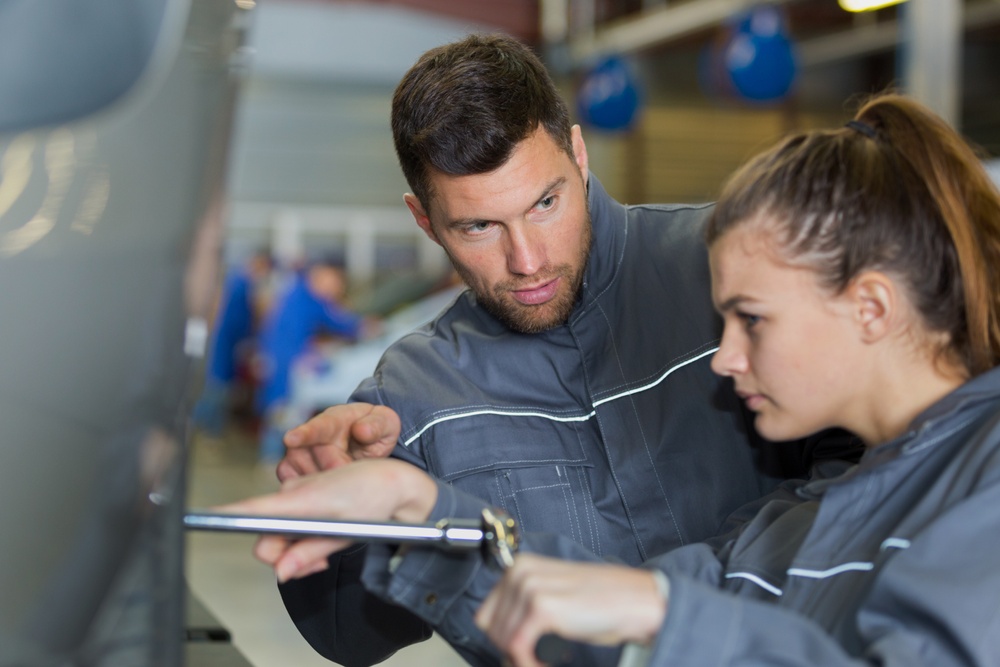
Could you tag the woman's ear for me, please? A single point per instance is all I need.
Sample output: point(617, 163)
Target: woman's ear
point(875, 301)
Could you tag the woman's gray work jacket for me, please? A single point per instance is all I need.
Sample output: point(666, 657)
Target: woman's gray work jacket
point(896, 563)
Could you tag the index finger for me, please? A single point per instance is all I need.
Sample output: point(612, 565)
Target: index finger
point(322, 442)
point(332, 426)
point(375, 434)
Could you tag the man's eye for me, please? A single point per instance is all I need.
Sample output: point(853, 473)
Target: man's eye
point(749, 320)
point(477, 227)
point(547, 202)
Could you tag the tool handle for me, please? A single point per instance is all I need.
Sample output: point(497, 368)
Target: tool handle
point(555, 650)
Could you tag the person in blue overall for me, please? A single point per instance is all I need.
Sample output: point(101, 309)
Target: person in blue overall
point(233, 340)
point(310, 306)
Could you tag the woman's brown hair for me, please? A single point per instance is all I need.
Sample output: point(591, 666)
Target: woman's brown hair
point(896, 190)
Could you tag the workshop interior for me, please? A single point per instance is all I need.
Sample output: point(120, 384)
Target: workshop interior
point(150, 148)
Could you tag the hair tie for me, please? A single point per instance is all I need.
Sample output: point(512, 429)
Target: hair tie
point(863, 128)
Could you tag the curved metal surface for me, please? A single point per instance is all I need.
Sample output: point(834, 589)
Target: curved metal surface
point(62, 72)
point(109, 232)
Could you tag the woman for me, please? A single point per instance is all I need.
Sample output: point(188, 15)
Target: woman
point(856, 271)
point(857, 274)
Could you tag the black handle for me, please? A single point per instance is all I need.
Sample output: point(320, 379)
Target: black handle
point(555, 650)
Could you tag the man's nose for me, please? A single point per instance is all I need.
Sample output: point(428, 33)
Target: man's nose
point(526, 253)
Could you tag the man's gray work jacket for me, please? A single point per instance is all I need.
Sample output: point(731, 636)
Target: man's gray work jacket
point(611, 429)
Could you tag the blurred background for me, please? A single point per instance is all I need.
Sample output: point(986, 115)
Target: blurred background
point(691, 90)
point(672, 96)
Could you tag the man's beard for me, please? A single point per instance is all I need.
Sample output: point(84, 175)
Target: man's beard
point(527, 319)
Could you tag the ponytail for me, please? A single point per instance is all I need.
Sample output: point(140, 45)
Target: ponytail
point(969, 207)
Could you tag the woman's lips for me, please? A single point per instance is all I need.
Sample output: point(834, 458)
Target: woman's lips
point(753, 401)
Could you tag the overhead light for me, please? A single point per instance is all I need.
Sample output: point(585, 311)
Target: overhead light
point(866, 5)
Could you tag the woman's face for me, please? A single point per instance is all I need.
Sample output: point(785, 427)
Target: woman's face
point(790, 346)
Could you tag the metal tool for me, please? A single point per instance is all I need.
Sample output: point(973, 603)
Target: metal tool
point(495, 533)
point(447, 534)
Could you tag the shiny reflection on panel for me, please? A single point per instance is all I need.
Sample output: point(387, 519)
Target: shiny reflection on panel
point(48, 178)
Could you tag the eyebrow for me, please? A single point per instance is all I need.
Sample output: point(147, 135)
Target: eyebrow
point(547, 192)
point(732, 302)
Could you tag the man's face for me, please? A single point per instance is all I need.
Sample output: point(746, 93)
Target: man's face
point(520, 235)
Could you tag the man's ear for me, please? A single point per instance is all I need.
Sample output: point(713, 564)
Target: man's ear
point(875, 301)
point(580, 152)
point(420, 215)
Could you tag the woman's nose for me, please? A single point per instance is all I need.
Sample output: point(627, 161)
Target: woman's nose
point(730, 359)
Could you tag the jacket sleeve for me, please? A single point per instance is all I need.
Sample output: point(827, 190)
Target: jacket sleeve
point(442, 588)
point(933, 603)
point(341, 620)
point(345, 623)
point(445, 589)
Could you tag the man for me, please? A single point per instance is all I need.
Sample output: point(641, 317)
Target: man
point(571, 385)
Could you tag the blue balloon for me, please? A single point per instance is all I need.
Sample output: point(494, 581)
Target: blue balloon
point(759, 56)
point(608, 98)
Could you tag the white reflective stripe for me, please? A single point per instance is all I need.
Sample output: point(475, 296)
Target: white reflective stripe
point(755, 579)
point(823, 574)
point(657, 381)
point(894, 543)
point(580, 418)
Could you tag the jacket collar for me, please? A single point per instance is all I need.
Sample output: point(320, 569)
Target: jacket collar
point(942, 418)
point(981, 388)
point(929, 428)
point(607, 247)
point(984, 388)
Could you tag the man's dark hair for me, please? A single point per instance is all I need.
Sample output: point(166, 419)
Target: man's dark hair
point(463, 107)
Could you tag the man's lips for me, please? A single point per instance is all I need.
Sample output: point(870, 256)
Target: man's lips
point(537, 295)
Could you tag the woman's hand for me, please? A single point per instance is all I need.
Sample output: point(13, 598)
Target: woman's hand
point(371, 490)
point(594, 603)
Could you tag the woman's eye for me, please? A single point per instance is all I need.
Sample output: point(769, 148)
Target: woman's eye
point(749, 320)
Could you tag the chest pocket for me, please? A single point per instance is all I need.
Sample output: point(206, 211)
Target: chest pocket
point(534, 468)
